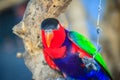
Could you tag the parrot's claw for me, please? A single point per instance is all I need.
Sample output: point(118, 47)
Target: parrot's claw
point(90, 64)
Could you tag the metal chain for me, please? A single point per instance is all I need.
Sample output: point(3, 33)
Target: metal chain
point(98, 29)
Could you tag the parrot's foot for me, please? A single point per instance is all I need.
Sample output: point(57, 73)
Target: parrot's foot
point(90, 64)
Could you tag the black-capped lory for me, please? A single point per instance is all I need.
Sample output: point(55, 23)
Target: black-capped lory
point(71, 53)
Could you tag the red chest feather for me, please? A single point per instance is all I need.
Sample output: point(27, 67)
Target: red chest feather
point(56, 53)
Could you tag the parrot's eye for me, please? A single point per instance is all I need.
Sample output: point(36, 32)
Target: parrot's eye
point(50, 24)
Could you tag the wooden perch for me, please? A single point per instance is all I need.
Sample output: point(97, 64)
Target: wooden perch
point(28, 30)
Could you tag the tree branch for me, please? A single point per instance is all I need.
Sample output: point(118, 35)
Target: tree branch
point(28, 30)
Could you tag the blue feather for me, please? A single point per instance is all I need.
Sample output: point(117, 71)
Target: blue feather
point(71, 66)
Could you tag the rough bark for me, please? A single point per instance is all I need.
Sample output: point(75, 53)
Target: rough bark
point(28, 30)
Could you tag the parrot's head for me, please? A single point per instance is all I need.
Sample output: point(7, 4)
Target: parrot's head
point(51, 32)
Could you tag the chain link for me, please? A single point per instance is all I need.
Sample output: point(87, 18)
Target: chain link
point(98, 29)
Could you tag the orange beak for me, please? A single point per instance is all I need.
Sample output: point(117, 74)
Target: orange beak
point(49, 37)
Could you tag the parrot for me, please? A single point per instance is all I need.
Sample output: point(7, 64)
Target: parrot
point(71, 53)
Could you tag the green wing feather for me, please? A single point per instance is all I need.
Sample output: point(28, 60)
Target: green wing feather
point(86, 45)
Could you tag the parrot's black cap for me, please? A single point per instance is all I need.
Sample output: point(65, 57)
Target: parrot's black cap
point(49, 23)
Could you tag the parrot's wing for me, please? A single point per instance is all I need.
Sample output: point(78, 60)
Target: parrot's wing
point(87, 46)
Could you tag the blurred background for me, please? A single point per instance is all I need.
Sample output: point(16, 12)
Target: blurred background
point(81, 15)
point(11, 68)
